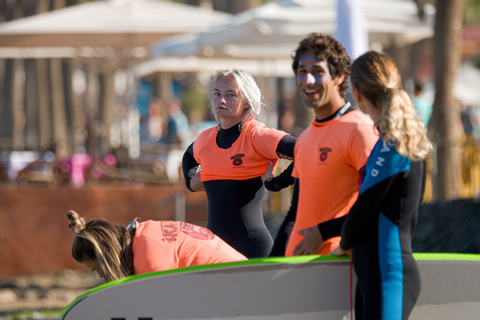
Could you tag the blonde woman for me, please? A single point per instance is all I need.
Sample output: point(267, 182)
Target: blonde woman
point(233, 157)
point(115, 251)
point(378, 229)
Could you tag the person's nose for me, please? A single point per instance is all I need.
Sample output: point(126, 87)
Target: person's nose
point(309, 79)
point(223, 100)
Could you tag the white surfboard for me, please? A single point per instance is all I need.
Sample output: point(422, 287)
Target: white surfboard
point(310, 287)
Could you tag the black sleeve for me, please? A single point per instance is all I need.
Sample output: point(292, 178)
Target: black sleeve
point(281, 181)
point(280, 244)
point(188, 163)
point(355, 227)
point(285, 147)
point(331, 228)
point(285, 151)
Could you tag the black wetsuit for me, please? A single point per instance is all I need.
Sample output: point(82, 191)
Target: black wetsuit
point(379, 229)
point(235, 206)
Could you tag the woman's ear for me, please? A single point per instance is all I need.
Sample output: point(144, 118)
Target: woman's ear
point(357, 96)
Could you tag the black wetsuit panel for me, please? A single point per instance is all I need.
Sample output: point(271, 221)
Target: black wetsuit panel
point(280, 243)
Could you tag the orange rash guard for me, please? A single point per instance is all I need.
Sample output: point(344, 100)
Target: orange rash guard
point(165, 245)
point(328, 158)
point(247, 158)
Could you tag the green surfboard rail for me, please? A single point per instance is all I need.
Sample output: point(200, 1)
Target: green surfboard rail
point(265, 261)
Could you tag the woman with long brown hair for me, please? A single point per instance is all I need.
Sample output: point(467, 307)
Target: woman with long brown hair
point(379, 227)
point(115, 251)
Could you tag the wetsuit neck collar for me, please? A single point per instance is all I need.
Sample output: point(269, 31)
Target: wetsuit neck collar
point(340, 112)
point(235, 130)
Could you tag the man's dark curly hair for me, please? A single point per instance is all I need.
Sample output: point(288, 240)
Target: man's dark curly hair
point(326, 48)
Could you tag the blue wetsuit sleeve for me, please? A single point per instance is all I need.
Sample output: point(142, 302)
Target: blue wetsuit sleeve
point(281, 240)
point(188, 162)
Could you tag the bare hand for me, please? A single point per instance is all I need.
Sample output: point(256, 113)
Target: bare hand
point(194, 171)
point(311, 243)
point(196, 183)
point(269, 174)
point(340, 252)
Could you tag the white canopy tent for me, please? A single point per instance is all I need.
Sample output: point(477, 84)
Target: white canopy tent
point(466, 84)
point(273, 30)
point(111, 23)
point(114, 33)
point(192, 64)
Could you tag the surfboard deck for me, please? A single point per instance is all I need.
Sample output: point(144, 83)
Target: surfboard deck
point(309, 287)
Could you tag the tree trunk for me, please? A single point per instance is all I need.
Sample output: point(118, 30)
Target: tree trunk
point(57, 4)
point(31, 105)
point(107, 105)
point(31, 132)
point(6, 129)
point(69, 104)
point(91, 108)
point(8, 12)
point(229, 6)
point(446, 114)
point(57, 87)
point(44, 108)
point(58, 104)
point(79, 117)
point(19, 117)
point(235, 7)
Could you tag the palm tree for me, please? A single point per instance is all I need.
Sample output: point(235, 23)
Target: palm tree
point(446, 114)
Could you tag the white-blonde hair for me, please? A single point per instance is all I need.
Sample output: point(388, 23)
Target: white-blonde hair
point(249, 91)
point(376, 76)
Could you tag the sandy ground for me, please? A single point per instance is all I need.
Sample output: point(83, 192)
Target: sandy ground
point(44, 291)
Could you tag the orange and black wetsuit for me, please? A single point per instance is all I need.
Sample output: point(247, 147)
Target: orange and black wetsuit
point(232, 163)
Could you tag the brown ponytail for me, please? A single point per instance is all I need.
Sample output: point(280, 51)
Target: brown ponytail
point(376, 76)
point(101, 241)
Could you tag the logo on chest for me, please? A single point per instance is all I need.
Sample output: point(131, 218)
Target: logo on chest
point(324, 153)
point(237, 159)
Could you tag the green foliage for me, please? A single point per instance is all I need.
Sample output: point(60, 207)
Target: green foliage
point(472, 12)
point(193, 101)
point(44, 314)
point(476, 62)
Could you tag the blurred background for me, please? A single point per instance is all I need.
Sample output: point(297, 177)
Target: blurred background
point(99, 100)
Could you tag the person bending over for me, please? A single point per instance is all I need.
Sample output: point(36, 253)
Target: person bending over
point(115, 251)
